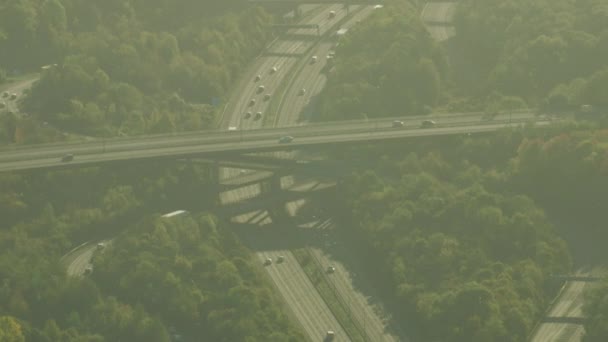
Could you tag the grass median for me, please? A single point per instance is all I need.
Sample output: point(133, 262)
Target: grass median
point(328, 293)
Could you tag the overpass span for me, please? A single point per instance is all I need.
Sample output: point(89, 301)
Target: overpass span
point(220, 143)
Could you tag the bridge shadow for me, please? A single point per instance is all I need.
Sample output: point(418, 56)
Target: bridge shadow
point(313, 228)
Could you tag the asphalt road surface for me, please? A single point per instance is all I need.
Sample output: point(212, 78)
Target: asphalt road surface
point(569, 304)
point(438, 18)
point(304, 300)
point(192, 145)
point(293, 284)
point(77, 260)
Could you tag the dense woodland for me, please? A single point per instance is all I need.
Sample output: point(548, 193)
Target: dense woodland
point(548, 54)
point(387, 65)
point(466, 230)
point(158, 278)
point(128, 67)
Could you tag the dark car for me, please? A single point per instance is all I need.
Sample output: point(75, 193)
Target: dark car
point(428, 124)
point(67, 158)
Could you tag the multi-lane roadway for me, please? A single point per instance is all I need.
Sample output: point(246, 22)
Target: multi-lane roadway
point(437, 17)
point(272, 71)
point(174, 146)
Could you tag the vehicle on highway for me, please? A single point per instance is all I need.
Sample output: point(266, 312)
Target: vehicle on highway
point(331, 269)
point(67, 158)
point(267, 262)
point(260, 89)
point(314, 59)
point(101, 245)
point(398, 124)
point(280, 259)
point(5, 94)
point(88, 270)
point(232, 128)
point(247, 115)
point(13, 96)
point(258, 116)
point(302, 91)
point(428, 124)
point(257, 78)
point(329, 336)
point(285, 139)
point(378, 6)
point(266, 97)
point(251, 102)
point(273, 69)
point(332, 14)
point(332, 54)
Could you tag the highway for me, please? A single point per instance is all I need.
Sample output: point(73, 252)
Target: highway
point(568, 304)
point(438, 18)
point(177, 146)
point(304, 301)
point(78, 259)
point(296, 108)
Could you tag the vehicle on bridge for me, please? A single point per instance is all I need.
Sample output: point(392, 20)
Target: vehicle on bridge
point(67, 158)
point(428, 124)
point(285, 139)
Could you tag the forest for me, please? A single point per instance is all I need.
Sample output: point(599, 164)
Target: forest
point(159, 277)
point(128, 67)
point(506, 55)
point(468, 231)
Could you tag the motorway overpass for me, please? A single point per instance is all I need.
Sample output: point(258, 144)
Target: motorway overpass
point(217, 143)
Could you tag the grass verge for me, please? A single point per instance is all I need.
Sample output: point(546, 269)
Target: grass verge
point(328, 292)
